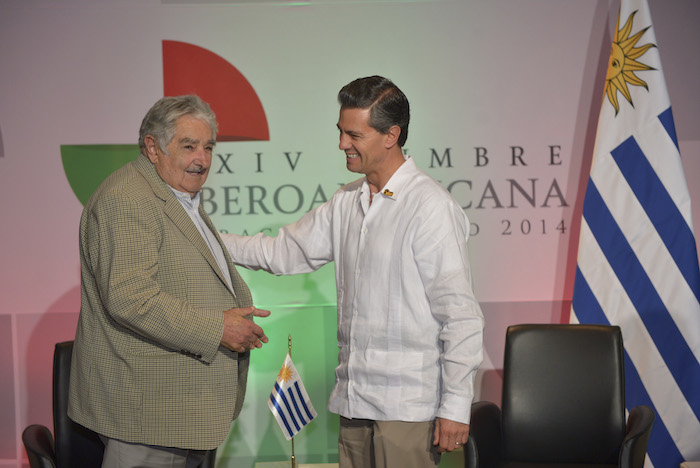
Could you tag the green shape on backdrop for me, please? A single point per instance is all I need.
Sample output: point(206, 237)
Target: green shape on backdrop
point(307, 289)
point(86, 166)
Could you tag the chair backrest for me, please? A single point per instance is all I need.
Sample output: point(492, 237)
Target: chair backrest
point(563, 393)
point(76, 446)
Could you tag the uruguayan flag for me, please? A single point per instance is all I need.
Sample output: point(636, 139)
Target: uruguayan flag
point(637, 259)
point(289, 401)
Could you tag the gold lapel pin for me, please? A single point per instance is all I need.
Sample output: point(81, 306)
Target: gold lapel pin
point(388, 193)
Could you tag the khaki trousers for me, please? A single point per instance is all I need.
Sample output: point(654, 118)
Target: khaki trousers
point(364, 443)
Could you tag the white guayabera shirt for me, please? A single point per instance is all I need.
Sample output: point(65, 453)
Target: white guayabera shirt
point(409, 327)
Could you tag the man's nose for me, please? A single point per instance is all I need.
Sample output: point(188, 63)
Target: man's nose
point(343, 144)
point(203, 156)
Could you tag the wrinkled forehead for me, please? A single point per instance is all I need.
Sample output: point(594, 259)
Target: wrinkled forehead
point(191, 129)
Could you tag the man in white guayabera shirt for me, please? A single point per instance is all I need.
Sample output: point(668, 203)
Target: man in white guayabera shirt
point(409, 327)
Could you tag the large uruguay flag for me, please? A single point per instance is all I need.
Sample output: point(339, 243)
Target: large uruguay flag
point(637, 260)
point(289, 402)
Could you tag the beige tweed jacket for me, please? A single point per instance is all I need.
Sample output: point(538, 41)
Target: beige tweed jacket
point(147, 365)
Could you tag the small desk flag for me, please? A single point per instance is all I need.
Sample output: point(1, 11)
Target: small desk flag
point(637, 260)
point(289, 402)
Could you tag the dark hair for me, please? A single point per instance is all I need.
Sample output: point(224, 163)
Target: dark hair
point(161, 119)
point(387, 104)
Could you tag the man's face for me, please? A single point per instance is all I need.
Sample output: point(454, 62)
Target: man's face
point(364, 147)
point(186, 165)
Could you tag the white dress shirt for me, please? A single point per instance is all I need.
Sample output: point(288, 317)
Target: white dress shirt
point(409, 327)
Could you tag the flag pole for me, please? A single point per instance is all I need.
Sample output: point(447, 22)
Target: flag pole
point(294, 461)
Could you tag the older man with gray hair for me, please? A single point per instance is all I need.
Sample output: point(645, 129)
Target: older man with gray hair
point(162, 348)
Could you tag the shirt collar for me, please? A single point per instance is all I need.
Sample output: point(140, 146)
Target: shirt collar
point(187, 200)
point(396, 183)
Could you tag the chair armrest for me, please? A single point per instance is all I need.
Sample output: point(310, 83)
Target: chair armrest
point(40, 447)
point(634, 446)
point(485, 429)
point(471, 456)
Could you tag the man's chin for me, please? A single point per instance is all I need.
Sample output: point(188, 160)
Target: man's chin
point(193, 189)
point(352, 165)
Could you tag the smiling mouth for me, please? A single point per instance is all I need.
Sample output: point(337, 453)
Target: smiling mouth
point(197, 170)
point(352, 155)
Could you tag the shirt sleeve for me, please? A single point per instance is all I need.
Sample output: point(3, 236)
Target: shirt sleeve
point(300, 247)
point(443, 262)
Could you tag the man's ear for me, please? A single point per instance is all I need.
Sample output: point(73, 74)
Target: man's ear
point(392, 136)
point(151, 148)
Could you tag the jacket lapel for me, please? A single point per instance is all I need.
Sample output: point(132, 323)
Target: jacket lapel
point(174, 210)
point(240, 289)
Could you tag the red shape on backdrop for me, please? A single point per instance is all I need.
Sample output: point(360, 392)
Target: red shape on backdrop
point(189, 69)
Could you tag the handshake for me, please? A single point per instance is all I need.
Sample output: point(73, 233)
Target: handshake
point(240, 331)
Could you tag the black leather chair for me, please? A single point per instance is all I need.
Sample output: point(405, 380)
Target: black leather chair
point(74, 445)
point(563, 403)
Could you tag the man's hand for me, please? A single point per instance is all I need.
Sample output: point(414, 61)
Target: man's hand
point(240, 332)
point(450, 435)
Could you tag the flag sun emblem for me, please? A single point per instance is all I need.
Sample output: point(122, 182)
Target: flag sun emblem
point(623, 63)
point(285, 374)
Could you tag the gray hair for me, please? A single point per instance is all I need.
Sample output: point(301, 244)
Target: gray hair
point(160, 121)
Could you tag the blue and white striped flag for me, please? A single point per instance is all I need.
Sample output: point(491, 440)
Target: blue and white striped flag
point(637, 260)
point(289, 402)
